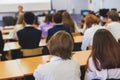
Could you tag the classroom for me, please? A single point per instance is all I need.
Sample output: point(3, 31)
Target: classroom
point(59, 40)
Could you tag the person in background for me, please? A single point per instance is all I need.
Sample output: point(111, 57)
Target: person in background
point(46, 25)
point(113, 24)
point(104, 61)
point(57, 21)
point(61, 66)
point(19, 23)
point(68, 21)
point(20, 15)
point(29, 37)
point(92, 24)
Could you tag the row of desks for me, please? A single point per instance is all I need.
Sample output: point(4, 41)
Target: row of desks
point(15, 45)
point(22, 67)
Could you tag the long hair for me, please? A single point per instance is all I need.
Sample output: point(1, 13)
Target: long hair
point(105, 50)
point(68, 21)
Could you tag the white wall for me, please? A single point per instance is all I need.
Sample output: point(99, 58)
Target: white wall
point(95, 5)
point(111, 4)
point(70, 5)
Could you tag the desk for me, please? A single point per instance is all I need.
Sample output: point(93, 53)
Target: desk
point(13, 45)
point(78, 39)
point(42, 42)
point(6, 47)
point(28, 65)
point(6, 31)
point(7, 37)
point(9, 69)
point(82, 56)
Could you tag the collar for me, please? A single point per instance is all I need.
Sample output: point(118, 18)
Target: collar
point(28, 25)
point(55, 58)
point(59, 24)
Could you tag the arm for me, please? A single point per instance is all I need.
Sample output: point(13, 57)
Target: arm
point(36, 74)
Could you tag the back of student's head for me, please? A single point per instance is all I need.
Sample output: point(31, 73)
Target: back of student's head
point(57, 17)
point(91, 19)
point(61, 44)
point(48, 18)
point(113, 15)
point(29, 17)
point(105, 49)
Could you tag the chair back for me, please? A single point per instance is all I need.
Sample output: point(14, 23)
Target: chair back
point(32, 52)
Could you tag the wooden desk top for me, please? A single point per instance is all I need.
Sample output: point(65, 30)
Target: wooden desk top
point(6, 31)
point(81, 56)
point(9, 69)
point(78, 39)
point(28, 65)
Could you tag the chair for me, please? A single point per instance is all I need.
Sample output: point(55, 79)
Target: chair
point(32, 52)
point(8, 21)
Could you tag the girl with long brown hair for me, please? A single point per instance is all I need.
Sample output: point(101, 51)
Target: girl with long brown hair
point(104, 61)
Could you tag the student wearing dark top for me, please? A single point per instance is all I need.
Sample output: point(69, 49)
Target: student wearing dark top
point(57, 21)
point(29, 37)
point(1, 43)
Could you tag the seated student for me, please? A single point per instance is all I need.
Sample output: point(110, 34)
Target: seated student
point(61, 66)
point(57, 21)
point(113, 24)
point(1, 43)
point(92, 25)
point(46, 25)
point(68, 21)
point(104, 61)
point(29, 37)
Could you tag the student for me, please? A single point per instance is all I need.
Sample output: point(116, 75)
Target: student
point(57, 21)
point(61, 66)
point(68, 21)
point(29, 37)
point(91, 22)
point(114, 25)
point(1, 43)
point(46, 25)
point(104, 61)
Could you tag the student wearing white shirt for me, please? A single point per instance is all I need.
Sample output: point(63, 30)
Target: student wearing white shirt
point(114, 25)
point(61, 66)
point(91, 22)
point(104, 61)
